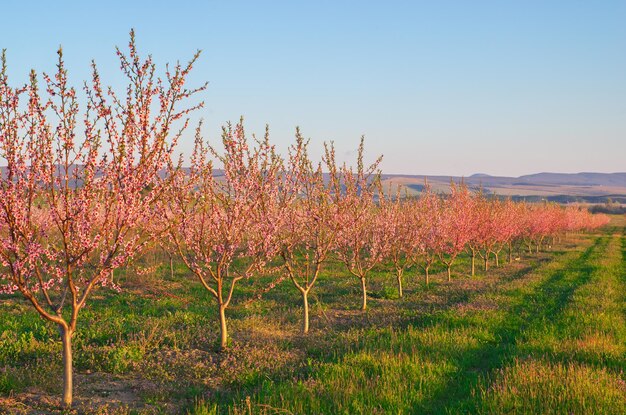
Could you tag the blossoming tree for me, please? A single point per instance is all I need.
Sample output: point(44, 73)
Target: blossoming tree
point(402, 238)
point(308, 233)
point(456, 226)
point(427, 218)
point(223, 227)
point(361, 244)
point(70, 196)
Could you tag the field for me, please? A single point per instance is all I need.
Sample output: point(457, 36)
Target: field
point(543, 335)
point(579, 187)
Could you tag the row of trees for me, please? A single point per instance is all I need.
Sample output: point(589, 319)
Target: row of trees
point(292, 216)
point(81, 196)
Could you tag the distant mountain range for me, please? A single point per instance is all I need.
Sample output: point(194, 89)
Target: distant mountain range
point(562, 179)
point(562, 187)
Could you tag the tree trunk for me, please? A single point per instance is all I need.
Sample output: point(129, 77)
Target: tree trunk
point(66, 338)
point(223, 329)
point(497, 255)
point(426, 272)
point(171, 267)
point(449, 272)
point(486, 262)
point(305, 302)
point(510, 253)
point(399, 278)
point(363, 288)
point(473, 263)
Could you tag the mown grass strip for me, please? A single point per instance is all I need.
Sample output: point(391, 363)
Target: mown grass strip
point(529, 306)
point(575, 362)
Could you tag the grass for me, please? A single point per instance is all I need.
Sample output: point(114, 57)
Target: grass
point(547, 335)
point(536, 386)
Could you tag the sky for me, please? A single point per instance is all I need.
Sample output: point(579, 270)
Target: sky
point(438, 88)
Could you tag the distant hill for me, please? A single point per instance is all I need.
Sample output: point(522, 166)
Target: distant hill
point(561, 187)
point(577, 179)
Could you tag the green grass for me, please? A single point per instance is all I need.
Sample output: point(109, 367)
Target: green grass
point(537, 386)
point(547, 335)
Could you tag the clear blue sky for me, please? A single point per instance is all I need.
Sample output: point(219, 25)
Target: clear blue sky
point(439, 87)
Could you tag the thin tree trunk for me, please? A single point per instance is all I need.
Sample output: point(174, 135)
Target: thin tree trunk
point(473, 263)
point(363, 288)
point(171, 267)
point(426, 272)
point(486, 262)
point(497, 255)
point(66, 338)
point(449, 272)
point(305, 302)
point(223, 329)
point(510, 253)
point(399, 278)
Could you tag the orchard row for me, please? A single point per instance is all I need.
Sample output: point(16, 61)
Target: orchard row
point(85, 192)
point(291, 216)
